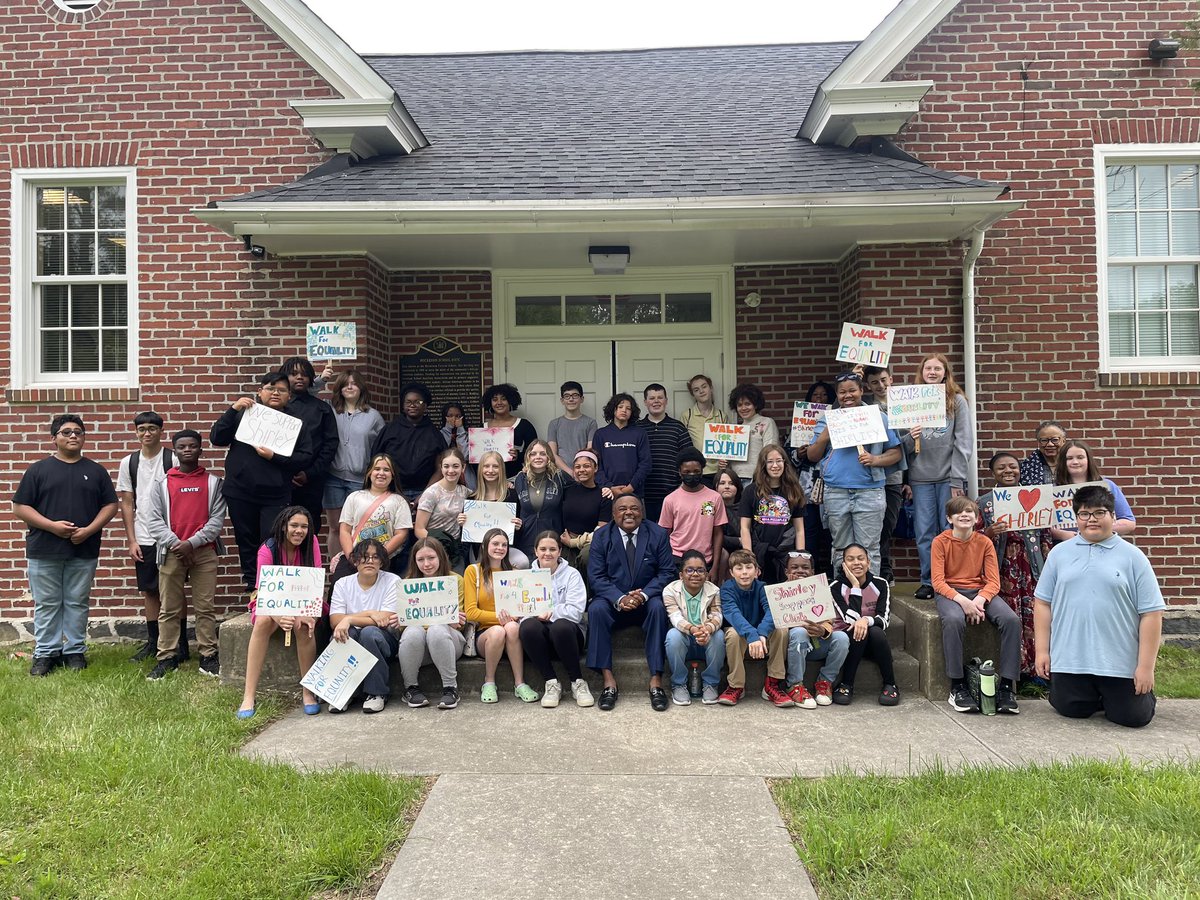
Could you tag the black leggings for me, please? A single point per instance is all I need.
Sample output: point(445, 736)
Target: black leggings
point(874, 645)
point(562, 636)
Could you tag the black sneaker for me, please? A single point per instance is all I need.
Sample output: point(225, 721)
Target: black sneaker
point(182, 652)
point(144, 652)
point(210, 665)
point(962, 701)
point(924, 592)
point(1006, 702)
point(162, 669)
point(76, 662)
point(414, 698)
point(43, 666)
point(449, 698)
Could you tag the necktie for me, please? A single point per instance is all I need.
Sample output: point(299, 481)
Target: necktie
point(631, 554)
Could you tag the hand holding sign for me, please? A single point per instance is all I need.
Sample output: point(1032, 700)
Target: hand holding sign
point(332, 340)
point(484, 440)
point(523, 593)
point(805, 416)
point(480, 516)
point(854, 426)
point(726, 441)
point(267, 428)
point(797, 603)
point(865, 344)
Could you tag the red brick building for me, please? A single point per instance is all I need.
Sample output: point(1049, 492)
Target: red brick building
point(1013, 184)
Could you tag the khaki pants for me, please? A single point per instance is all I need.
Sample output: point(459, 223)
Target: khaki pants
point(203, 575)
point(735, 656)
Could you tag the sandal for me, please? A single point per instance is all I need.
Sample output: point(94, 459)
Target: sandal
point(843, 694)
point(889, 696)
point(488, 694)
point(526, 693)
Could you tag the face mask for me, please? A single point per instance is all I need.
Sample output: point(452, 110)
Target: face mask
point(691, 480)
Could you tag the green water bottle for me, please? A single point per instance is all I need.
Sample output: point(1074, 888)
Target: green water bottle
point(987, 688)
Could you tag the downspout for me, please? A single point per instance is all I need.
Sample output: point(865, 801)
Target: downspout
point(968, 300)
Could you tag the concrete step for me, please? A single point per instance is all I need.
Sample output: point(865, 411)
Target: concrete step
point(923, 640)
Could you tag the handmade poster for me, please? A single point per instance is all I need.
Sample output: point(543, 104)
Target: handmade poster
point(262, 426)
point(1064, 509)
point(290, 591)
point(483, 440)
point(726, 441)
point(523, 592)
point(427, 601)
point(854, 426)
point(483, 516)
point(805, 416)
point(910, 405)
point(1024, 508)
point(794, 602)
point(338, 672)
point(865, 344)
point(328, 341)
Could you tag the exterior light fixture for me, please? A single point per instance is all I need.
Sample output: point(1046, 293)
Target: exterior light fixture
point(608, 260)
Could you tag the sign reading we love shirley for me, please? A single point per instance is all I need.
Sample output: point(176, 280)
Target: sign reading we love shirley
point(1024, 508)
point(804, 600)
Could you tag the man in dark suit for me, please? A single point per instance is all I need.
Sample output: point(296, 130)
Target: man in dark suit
point(629, 566)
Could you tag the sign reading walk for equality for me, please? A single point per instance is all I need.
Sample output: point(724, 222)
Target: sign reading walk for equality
point(290, 591)
point(332, 340)
point(428, 601)
point(726, 441)
point(865, 344)
point(339, 671)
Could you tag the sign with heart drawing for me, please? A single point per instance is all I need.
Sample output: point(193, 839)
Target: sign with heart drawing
point(804, 600)
point(1024, 508)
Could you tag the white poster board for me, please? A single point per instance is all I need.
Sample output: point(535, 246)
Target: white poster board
point(428, 601)
point(290, 591)
point(329, 341)
point(805, 416)
point(865, 344)
point(1064, 504)
point(262, 426)
point(850, 427)
point(910, 405)
point(484, 440)
point(724, 440)
point(483, 516)
point(794, 602)
point(338, 672)
point(1024, 507)
point(523, 593)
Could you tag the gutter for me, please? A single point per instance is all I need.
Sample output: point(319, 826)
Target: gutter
point(969, 383)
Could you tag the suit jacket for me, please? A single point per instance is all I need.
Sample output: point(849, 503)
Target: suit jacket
point(608, 565)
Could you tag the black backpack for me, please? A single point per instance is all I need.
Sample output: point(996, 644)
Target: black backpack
point(168, 459)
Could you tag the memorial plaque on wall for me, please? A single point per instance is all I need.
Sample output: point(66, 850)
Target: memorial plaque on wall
point(450, 373)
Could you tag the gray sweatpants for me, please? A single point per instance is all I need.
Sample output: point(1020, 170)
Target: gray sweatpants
point(954, 629)
point(437, 644)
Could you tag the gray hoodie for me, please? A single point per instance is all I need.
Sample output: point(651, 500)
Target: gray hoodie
point(356, 433)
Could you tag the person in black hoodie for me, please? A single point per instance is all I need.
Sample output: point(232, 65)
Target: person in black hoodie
point(413, 442)
point(320, 423)
point(258, 482)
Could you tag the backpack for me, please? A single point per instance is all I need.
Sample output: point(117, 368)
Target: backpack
point(168, 460)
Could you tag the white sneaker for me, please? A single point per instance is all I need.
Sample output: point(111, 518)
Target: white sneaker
point(374, 704)
point(583, 694)
point(550, 695)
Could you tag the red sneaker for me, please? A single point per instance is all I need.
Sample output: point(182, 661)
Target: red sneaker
point(824, 692)
point(775, 691)
point(730, 696)
point(799, 693)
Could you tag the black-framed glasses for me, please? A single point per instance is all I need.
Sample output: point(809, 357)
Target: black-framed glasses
point(1050, 441)
point(571, 395)
point(1090, 514)
point(71, 432)
point(692, 570)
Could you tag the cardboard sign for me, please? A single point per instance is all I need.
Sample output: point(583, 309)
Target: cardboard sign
point(794, 602)
point(726, 441)
point(428, 601)
point(290, 591)
point(805, 416)
point(338, 672)
point(332, 340)
point(485, 440)
point(523, 592)
point(854, 426)
point(262, 426)
point(1064, 508)
point(1024, 507)
point(910, 405)
point(483, 516)
point(865, 344)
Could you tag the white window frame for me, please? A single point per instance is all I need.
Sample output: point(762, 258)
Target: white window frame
point(1106, 155)
point(26, 344)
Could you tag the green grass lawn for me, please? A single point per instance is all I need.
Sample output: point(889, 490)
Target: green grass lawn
point(112, 786)
point(1178, 672)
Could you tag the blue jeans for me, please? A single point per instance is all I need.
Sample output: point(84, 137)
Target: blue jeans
point(855, 517)
point(929, 515)
point(682, 647)
point(61, 593)
point(832, 649)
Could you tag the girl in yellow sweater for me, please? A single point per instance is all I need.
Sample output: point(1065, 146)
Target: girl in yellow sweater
point(497, 634)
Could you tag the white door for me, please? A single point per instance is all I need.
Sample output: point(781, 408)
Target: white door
point(670, 363)
point(539, 368)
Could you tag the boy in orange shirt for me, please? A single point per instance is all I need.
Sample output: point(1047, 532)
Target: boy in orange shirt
point(966, 580)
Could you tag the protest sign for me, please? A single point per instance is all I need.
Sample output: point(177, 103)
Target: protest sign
point(1023, 508)
point(865, 344)
point(805, 416)
point(794, 602)
point(483, 516)
point(262, 426)
point(1064, 509)
point(328, 341)
point(523, 592)
point(290, 591)
point(726, 441)
point(339, 671)
point(855, 426)
point(428, 601)
point(484, 440)
point(912, 405)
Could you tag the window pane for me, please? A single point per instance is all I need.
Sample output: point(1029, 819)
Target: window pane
point(1182, 287)
point(112, 253)
point(85, 306)
point(85, 351)
point(50, 254)
point(115, 350)
point(115, 312)
point(1151, 287)
point(1120, 335)
point(539, 310)
point(1120, 187)
point(81, 207)
point(50, 208)
point(1152, 187)
point(1184, 187)
point(1122, 239)
point(689, 307)
point(54, 305)
point(1152, 234)
point(54, 351)
point(81, 253)
point(1185, 334)
point(1185, 233)
point(1120, 287)
point(1152, 334)
point(595, 310)
point(639, 309)
point(112, 206)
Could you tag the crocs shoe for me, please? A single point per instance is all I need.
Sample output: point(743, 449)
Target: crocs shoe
point(489, 694)
point(526, 693)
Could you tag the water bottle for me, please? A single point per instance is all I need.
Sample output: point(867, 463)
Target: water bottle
point(987, 688)
point(695, 681)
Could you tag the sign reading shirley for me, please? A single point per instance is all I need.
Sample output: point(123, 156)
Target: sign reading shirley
point(865, 344)
point(328, 341)
point(483, 516)
point(339, 671)
point(1064, 504)
point(290, 591)
point(805, 416)
point(726, 441)
point(1023, 508)
point(796, 602)
point(912, 405)
point(854, 426)
point(523, 592)
point(484, 440)
point(428, 601)
point(262, 426)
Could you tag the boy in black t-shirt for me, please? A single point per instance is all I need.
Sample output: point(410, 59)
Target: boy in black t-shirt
point(65, 500)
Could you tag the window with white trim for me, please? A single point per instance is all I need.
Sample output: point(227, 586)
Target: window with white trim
point(1150, 254)
point(73, 275)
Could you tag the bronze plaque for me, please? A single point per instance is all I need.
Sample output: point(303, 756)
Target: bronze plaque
point(452, 375)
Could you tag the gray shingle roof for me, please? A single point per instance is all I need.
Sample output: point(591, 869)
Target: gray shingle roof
point(696, 122)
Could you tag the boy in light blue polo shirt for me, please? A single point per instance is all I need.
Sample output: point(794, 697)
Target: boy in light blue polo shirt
point(1098, 619)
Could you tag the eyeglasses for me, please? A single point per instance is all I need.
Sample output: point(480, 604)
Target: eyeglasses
point(370, 558)
point(70, 432)
point(1090, 514)
point(572, 396)
point(408, 402)
point(276, 389)
point(1050, 441)
point(692, 570)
